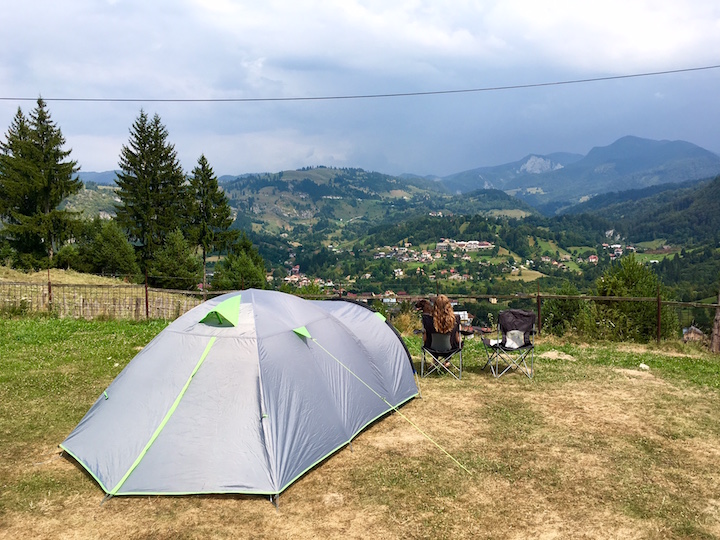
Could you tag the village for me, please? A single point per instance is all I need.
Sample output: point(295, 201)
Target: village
point(459, 261)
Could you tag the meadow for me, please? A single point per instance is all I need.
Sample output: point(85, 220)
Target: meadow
point(592, 447)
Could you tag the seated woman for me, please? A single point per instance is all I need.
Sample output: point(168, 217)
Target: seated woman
point(442, 321)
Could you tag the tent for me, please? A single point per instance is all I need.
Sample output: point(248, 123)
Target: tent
point(243, 394)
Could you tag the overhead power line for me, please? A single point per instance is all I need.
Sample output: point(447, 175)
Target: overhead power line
point(364, 96)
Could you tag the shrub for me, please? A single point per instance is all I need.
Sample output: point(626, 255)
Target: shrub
point(561, 316)
point(633, 321)
point(406, 322)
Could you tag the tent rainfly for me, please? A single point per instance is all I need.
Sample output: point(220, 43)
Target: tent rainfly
point(243, 394)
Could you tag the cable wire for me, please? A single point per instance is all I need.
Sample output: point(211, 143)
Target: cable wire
point(365, 96)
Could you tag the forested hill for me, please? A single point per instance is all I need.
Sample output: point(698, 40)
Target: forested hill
point(618, 203)
point(324, 199)
point(683, 216)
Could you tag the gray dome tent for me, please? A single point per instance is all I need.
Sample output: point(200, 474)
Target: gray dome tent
point(243, 394)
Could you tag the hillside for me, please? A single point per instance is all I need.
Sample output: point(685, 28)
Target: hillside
point(336, 201)
point(681, 214)
point(93, 200)
point(686, 216)
point(617, 204)
point(553, 182)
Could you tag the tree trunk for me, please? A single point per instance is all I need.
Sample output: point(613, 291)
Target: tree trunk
point(715, 339)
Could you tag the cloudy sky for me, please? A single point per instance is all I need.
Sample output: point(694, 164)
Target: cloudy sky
point(214, 50)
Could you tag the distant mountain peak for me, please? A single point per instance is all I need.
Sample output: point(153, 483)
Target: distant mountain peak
point(538, 165)
point(553, 180)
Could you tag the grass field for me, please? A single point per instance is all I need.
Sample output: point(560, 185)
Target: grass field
point(593, 447)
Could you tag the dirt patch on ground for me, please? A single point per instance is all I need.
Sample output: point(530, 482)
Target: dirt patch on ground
point(635, 373)
point(645, 349)
point(557, 355)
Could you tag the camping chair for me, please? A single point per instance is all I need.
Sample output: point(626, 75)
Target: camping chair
point(514, 345)
point(441, 356)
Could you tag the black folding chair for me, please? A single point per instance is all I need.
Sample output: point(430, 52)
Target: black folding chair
point(514, 345)
point(440, 357)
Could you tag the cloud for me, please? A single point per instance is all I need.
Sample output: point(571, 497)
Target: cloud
point(189, 49)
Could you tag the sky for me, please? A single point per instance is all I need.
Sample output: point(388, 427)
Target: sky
point(128, 55)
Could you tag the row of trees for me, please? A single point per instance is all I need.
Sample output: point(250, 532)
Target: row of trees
point(163, 220)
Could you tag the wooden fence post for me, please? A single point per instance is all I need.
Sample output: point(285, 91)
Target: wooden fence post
point(49, 292)
point(147, 299)
point(539, 311)
point(659, 315)
point(715, 337)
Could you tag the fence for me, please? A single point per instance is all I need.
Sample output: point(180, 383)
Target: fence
point(136, 302)
point(139, 302)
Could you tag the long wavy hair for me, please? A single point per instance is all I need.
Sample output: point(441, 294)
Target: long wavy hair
point(443, 316)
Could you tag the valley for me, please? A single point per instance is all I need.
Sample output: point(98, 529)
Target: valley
point(323, 228)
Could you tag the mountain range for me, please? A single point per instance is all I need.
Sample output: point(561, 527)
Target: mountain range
point(555, 181)
point(550, 183)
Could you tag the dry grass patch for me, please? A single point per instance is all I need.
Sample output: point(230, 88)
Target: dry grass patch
point(57, 275)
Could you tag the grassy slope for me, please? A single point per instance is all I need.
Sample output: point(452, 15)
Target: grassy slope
point(592, 447)
point(66, 277)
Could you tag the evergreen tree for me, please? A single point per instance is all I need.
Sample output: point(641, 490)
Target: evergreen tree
point(211, 212)
point(243, 268)
point(35, 177)
point(110, 252)
point(154, 197)
point(174, 265)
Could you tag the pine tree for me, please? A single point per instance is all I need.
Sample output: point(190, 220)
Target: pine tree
point(243, 268)
point(35, 177)
point(212, 215)
point(153, 192)
point(174, 265)
point(111, 253)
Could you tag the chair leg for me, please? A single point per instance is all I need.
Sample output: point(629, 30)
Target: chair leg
point(452, 369)
point(434, 364)
point(439, 363)
point(516, 362)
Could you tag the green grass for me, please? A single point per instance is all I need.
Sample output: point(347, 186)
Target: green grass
point(592, 446)
point(51, 369)
point(652, 244)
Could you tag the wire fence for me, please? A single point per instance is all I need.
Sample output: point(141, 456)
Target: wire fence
point(140, 302)
point(135, 302)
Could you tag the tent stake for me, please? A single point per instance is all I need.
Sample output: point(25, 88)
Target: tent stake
point(105, 498)
point(274, 500)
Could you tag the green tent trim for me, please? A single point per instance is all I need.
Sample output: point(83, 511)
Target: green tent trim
point(226, 313)
point(302, 332)
point(167, 417)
